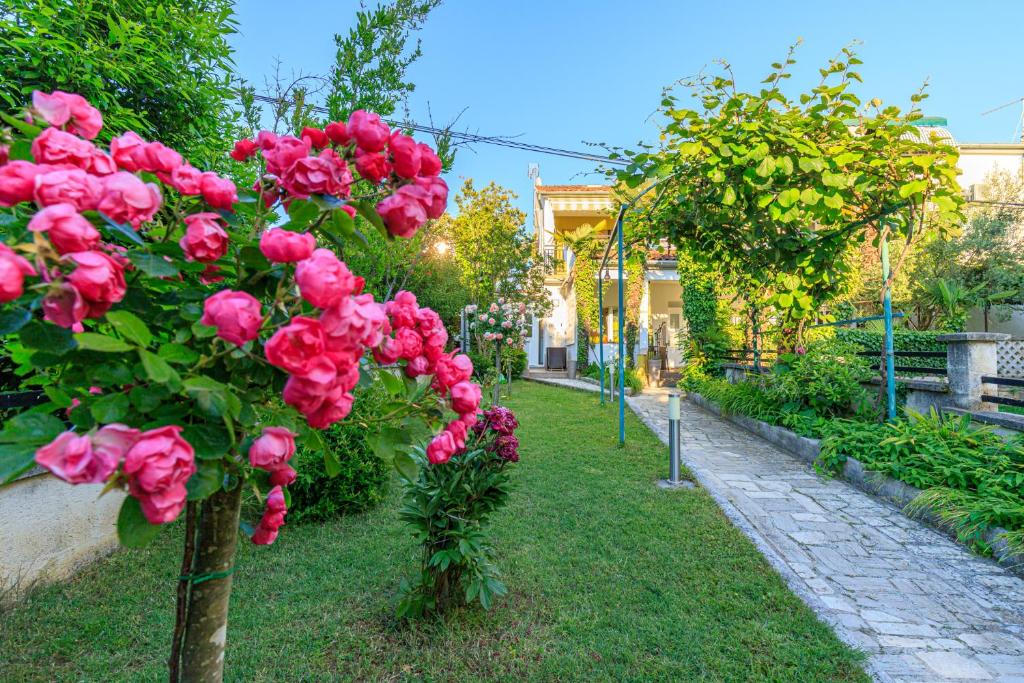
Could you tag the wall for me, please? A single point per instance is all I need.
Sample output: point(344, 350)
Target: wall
point(49, 529)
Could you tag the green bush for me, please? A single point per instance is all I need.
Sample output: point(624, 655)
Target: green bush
point(902, 340)
point(972, 478)
point(514, 360)
point(823, 382)
point(483, 365)
point(363, 477)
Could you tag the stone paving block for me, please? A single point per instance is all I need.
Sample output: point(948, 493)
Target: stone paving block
point(954, 665)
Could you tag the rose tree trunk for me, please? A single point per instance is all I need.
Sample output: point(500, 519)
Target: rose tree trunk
point(207, 625)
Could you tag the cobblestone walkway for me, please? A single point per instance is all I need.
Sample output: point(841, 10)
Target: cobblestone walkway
point(923, 607)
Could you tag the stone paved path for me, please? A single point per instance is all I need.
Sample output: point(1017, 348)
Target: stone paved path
point(922, 606)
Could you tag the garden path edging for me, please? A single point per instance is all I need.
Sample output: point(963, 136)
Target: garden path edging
point(854, 472)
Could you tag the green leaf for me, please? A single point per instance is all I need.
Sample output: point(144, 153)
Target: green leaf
point(133, 530)
point(58, 397)
point(385, 442)
point(158, 369)
point(406, 466)
point(153, 265)
point(13, 320)
point(808, 165)
point(331, 463)
point(91, 341)
point(789, 197)
point(16, 459)
point(130, 326)
point(207, 480)
point(212, 397)
point(124, 230)
point(110, 408)
point(47, 337)
point(209, 440)
point(368, 211)
point(729, 196)
point(810, 196)
point(392, 382)
point(834, 201)
point(785, 300)
point(178, 354)
point(21, 125)
point(765, 168)
point(913, 187)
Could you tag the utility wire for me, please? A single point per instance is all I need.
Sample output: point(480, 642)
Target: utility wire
point(483, 139)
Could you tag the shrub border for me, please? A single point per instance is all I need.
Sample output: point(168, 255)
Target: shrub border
point(871, 482)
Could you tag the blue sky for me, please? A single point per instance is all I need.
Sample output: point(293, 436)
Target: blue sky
point(560, 72)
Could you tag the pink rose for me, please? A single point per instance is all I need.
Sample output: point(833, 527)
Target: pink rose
point(18, 181)
point(187, 180)
point(323, 280)
point(156, 157)
point(403, 212)
point(100, 164)
point(372, 167)
point(338, 133)
point(204, 240)
point(54, 146)
point(353, 324)
point(285, 246)
point(64, 306)
point(350, 210)
point(430, 163)
point(458, 429)
point(273, 518)
point(237, 316)
point(323, 395)
point(126, 199)
point(405, 155)
point(70, 186)
point(266, 140)
point(295, 347)
point(73, 459)
point(325, 174)
point(367, 129)
point(437, 195)
point(67, 229)
point(465, 397)
point(5, 154)
point(113, 441)
point(158, 465)
point(316, 137)
point(418, 366)
point(13, 269)
point(403, 309)
point(220, 193)
point(123, 150)
point(273, 449)
point(285, 152)
point(244, 150)
point(59, 108)
point(388, 352)
point(99, 279)
point(410, 342)
point(450, 370)
point(441, 448)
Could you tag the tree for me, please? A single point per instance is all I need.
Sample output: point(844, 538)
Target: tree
point(371, 61)
point(770, 191)
point(158, 67)
point(489, 242)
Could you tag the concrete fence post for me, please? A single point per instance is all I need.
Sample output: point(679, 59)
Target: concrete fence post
point(969, 357)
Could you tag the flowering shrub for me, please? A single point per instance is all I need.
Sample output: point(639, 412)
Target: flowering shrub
point(189, 341)
point(503, 322)
point(448, 508)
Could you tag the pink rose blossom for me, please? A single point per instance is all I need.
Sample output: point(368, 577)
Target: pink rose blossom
point(372, 166)
point(266, 140)
point(59, 108)
point(67, 230)
point(295, 347)
point(450, 370)
point(54, 146)
point(285, 152)
point(187, 180)
point(272, 449)
point(441, 448)
point(18, 181)
point(204, 240)
point(13, 269)
point(388, 352)
point(237, 316)
point(285, 246)
point(403, 212)
point(113, 441)
point(323, 280)
point(64, 306)
point(405, 155)
point(418, 366)
point(353, 324)
point(273, 518)
point(73, 459)
point(458, 429)
point(220, 193)
point(430, 163)
point(158, 465)
point(325, 174)
point(244, 150)
point(465, 397)
point(123, 149)
point(99, 279)
point(156, 157)
point(367, 129)
point(436, 190)
point(70, 186)
point(316, 137)
point(403, 309)
point(100, 164)
point(126, 199)
point(338, 133)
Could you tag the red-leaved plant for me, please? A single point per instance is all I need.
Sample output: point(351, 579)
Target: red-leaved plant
point(184, 343)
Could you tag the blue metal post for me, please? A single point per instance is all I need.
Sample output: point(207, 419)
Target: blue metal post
point(600, 327)
point(622, 344)
point(890, 370)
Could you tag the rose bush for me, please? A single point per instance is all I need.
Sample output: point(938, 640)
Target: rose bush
point(448, 508)
point(190, 340)
point(501, 324)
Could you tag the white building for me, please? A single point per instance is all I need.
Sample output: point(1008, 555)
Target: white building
point(562, 208)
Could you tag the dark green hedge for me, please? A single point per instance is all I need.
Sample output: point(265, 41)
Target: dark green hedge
point(903, 340)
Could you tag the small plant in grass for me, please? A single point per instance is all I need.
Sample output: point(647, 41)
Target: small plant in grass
point(448, 508)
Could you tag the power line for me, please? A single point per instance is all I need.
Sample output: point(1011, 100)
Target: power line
point(482, 139)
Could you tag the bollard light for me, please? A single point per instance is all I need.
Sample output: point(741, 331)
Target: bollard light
point(673, 439)
point(673, 406)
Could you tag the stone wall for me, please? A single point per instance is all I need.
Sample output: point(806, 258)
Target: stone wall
point(49, 529)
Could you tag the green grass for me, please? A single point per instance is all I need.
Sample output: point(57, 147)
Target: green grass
point(610, 579)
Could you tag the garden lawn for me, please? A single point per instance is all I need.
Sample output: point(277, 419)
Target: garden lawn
point(610, 578)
